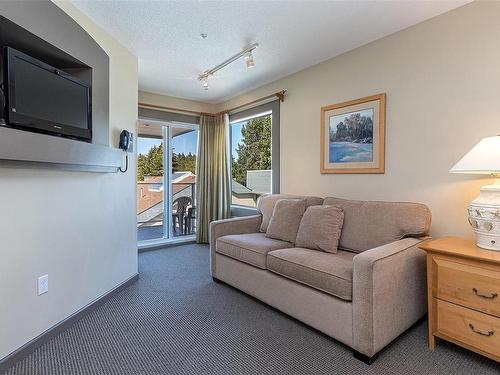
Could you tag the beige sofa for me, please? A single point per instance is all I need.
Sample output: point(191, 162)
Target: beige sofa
point(364, 296)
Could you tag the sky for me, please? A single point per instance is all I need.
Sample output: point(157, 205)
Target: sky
point(186, 143)
point(144, 144)
point(236, 137)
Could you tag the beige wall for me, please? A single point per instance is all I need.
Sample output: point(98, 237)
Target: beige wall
point(79, 228)
point(442, 79)
point(170, 101)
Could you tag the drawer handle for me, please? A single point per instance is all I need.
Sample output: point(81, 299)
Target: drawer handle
point(487, 334)
point(487, 296)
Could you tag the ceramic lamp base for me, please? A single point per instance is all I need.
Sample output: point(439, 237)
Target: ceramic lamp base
point(484, 217)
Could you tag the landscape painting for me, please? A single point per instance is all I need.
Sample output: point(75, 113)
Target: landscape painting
point(353, 136)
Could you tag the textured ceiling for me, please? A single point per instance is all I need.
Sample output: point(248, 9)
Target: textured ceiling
point(165, 35)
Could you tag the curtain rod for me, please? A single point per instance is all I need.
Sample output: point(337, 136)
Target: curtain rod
point(173, 109)
point(280, 95)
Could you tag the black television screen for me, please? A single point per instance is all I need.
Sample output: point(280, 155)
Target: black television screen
point(40, 97)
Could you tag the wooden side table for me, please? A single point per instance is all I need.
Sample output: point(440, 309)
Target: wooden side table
point(463, 285)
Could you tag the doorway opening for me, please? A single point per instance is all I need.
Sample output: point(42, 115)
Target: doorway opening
point(166, 181)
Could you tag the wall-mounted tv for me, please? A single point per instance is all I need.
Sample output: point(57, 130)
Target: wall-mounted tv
point(39, 97)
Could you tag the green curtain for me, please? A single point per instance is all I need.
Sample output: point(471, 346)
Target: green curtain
point(213, 195)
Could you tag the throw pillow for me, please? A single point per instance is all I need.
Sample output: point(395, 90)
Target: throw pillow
point(286, 218)
point(320, 228)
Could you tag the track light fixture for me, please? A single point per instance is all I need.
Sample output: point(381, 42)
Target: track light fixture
point(246, 53)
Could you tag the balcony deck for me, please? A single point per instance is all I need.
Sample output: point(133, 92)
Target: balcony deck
point(149, 233)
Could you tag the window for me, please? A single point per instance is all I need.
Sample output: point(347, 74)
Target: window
point(254, 153)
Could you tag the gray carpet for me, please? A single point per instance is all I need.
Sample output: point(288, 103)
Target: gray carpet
point(175, 320)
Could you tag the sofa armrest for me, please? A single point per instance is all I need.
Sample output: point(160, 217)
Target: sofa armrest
point(239, 225)
point(389, 293)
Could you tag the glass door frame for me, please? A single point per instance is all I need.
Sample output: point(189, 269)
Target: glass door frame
point(167, 183)
point(168, 235)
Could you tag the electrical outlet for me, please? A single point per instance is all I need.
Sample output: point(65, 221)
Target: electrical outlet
point(43, 284)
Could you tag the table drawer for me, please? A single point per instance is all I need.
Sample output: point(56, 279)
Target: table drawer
point(469, 327)
point(467, 285)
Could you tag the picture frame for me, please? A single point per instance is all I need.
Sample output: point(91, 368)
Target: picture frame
point(353, 136)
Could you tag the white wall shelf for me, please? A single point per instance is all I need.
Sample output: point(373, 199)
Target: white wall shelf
point(22, 148)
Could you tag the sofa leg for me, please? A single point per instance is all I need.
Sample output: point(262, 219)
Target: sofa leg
point(363, 357)
point(216, 280)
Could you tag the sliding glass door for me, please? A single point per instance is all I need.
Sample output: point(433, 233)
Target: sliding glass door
point(184, 148)
point(150, 182)
point(166, 180)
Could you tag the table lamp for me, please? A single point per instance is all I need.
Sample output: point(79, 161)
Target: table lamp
point(484, 211)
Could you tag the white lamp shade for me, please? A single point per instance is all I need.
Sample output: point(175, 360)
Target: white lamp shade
point(484, 158)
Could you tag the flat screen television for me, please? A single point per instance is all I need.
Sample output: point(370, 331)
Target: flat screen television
point(39, 97)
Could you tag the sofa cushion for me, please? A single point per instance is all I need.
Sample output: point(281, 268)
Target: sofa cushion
point(250, 248)
point(320, 228)
point(369, 224)
point(286, 218)
point(330, 273)
point(266, 202)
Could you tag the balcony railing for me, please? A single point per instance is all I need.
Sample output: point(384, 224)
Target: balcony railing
point(150, 210)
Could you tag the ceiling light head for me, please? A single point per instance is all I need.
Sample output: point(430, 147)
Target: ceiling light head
point(249, 60)
point(204, 81)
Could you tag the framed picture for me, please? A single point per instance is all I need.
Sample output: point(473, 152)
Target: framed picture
point(353, 136)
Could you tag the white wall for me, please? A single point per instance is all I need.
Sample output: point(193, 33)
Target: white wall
point(79, 228)
point(442, 79)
